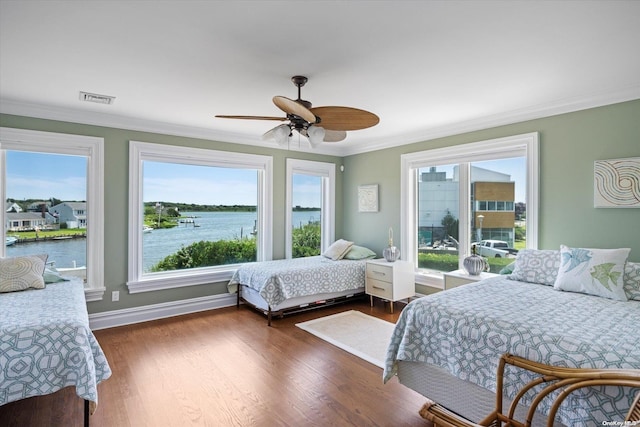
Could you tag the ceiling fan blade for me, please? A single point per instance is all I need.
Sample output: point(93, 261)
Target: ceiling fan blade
point(290, 106)
point(334, 135)
point(345, 118)
point(282, 119)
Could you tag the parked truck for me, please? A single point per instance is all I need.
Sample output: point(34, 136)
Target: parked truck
point(494, 249)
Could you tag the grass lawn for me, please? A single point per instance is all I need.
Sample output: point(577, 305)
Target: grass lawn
point(48, 233)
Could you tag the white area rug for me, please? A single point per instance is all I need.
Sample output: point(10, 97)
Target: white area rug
point(360, 334)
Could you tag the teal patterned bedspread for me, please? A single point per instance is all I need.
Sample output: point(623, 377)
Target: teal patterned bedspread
point(279, 280)
point(46, 344)
point(465, 330)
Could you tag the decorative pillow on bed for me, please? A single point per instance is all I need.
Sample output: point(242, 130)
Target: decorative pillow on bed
point(51, 275)
point(508, 269)
point(20, 273)
point(338, 249)
point(597, 272)
point(359, 252)
point(536, 266)
point(632, 280)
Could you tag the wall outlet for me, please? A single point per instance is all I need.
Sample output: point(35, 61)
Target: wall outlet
point(115, 296)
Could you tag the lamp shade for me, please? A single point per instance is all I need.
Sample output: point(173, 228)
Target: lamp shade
point(316, 135)
point(281, 134)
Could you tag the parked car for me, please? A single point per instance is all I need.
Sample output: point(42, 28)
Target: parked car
point(494, 249)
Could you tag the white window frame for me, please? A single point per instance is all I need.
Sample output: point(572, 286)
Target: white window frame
point(327, 171)
point(57, 143)
point(145, 151)
point(526, 145)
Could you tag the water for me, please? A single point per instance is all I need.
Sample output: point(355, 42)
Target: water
point(160, 243)
point(62, 252)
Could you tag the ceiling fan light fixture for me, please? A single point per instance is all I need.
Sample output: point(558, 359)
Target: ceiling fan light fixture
point(281, 134)
point(315, 134)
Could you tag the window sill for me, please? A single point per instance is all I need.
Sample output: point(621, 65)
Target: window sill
point(94, 294)
point(178, 280)
point(431, 279)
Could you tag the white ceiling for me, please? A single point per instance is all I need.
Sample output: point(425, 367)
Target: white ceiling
point(426, 68)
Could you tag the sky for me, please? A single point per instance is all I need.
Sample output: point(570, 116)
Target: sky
point(42, 176)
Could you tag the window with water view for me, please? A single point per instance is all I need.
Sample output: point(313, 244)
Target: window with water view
point(310, 198)
point(195, 213)
point(197, 216)
point(305, 214)
point(46, 209)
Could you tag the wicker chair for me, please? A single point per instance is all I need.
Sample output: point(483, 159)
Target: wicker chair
point(552, 378)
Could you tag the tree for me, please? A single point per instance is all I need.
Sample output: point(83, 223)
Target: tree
point(450, 224)
point(306, 240)
point(520, 210)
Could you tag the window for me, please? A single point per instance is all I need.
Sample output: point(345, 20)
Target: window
point(195, 214)
point(455, 196)
point(61, 178)
point(310, 222)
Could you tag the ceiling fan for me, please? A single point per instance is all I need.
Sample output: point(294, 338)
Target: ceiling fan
point(318, 124)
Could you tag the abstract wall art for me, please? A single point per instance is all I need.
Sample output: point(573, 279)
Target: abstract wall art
point(616, 183)
point(368, 198)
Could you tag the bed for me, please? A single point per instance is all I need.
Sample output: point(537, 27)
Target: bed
point(287, 286)
point(46, 344)
point(447, 346)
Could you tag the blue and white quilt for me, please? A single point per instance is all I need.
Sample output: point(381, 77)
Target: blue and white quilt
point(279, 280)
point(465, 330)
point(46, 344)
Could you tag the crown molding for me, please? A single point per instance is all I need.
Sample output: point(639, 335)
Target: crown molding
point(41, 111)
point(561, 106)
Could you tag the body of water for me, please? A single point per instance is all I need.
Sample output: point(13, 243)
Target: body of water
point(159, 243)
point(63, 253)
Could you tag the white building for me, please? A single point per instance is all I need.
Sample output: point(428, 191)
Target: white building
point(73, 214)
point(438, 196)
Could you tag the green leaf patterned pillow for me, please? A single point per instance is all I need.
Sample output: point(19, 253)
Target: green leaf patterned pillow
point(597, 272)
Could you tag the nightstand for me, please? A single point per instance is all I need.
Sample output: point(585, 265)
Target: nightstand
point(457, 278)
point(391, 281)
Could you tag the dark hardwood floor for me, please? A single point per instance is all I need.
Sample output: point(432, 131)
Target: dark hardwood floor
point(227, 368)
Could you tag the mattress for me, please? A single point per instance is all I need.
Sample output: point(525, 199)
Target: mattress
point(299, 278)
point(465, 330)
point(46, 344)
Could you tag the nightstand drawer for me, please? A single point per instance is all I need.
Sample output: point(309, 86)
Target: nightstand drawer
point(379, 288)
point(380, 272)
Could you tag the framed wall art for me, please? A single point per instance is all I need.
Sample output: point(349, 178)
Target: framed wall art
point(616, 183)
point(368, 198)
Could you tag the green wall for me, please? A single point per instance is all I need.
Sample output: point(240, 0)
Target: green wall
point(116, 143)
point(569, 144)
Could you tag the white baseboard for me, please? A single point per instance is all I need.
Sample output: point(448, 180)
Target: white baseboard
point(128, 316)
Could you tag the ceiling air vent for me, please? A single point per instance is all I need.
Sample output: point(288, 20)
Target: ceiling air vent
point(98, 99)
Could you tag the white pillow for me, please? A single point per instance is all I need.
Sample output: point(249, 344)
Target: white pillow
point(20, 273)
point(597, 272)
point(338, 249)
